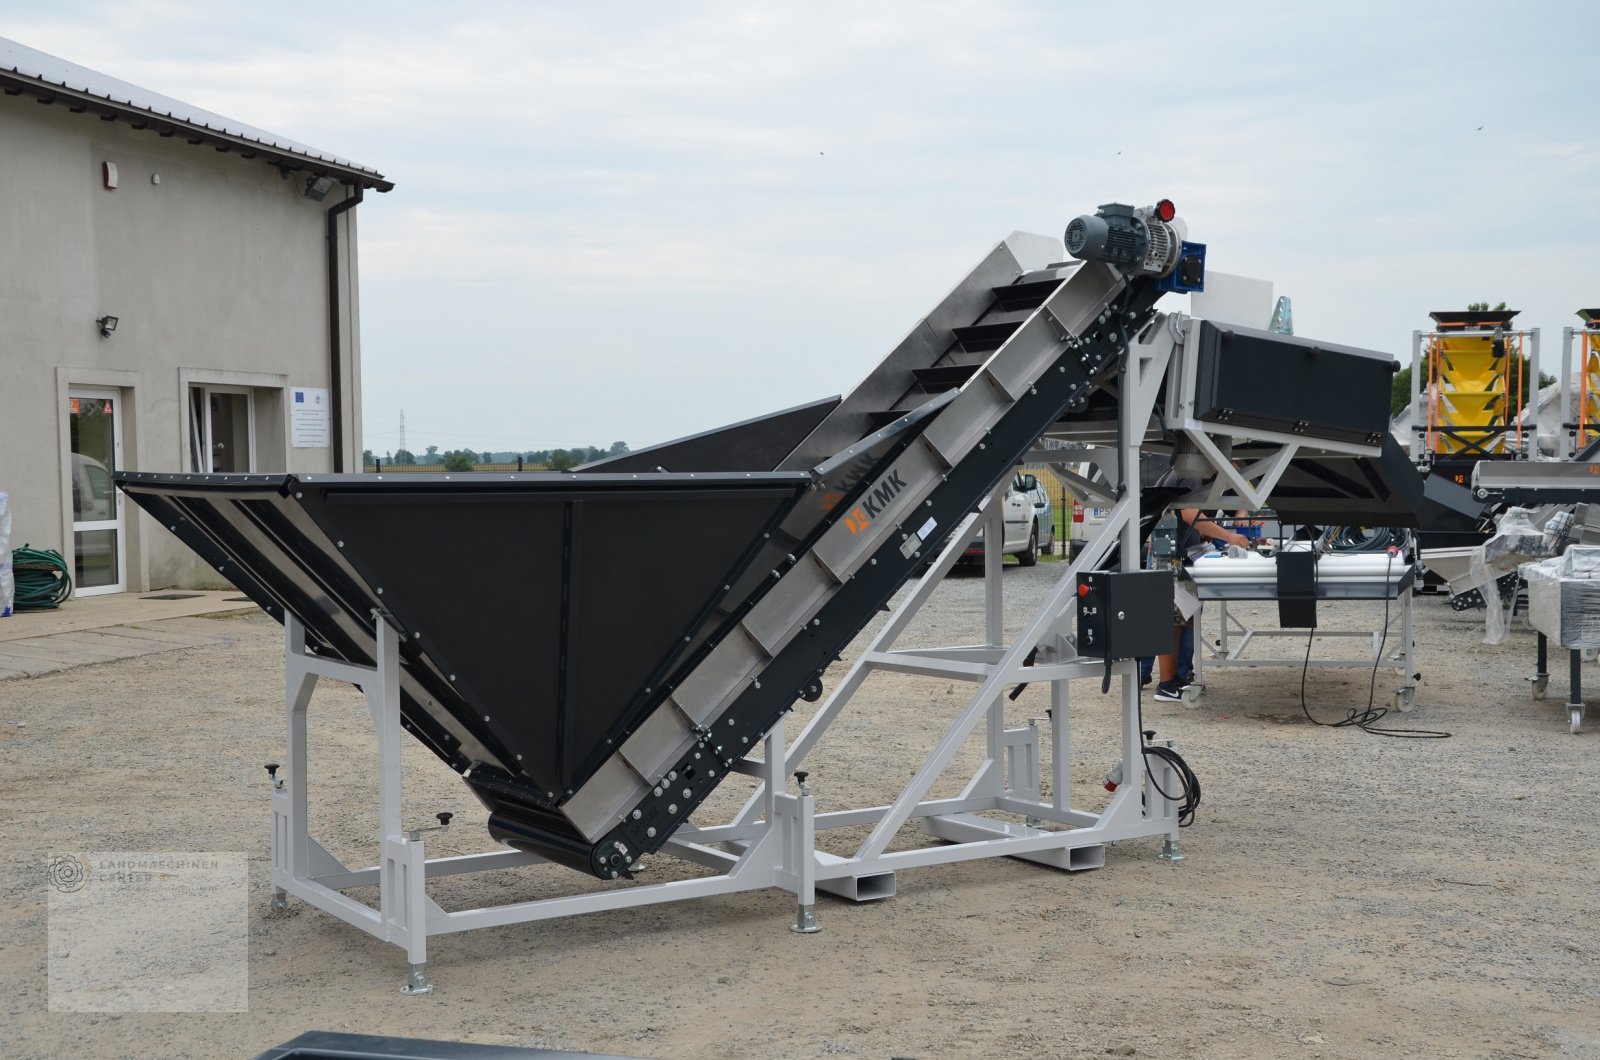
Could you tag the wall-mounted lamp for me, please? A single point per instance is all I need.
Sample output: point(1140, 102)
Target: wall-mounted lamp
point(317, 188)
point(107, 324)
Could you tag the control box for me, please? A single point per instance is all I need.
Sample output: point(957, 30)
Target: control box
point(1125, 614)
point(1164, 538)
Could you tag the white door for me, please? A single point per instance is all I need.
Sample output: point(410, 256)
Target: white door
point(95, 429)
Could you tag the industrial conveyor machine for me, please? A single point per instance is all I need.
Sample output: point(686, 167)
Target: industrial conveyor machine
point(593, 685)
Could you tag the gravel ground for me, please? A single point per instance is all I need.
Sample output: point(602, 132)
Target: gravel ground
point(1344, 895)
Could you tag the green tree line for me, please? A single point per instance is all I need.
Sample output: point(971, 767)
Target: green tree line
point(467, 459)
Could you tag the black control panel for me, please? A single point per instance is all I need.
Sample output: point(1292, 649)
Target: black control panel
point(1125, 614)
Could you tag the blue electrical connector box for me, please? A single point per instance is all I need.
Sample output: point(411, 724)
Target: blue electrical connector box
point(1190, 272)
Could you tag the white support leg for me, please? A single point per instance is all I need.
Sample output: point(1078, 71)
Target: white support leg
point(300, 865)
point(1164, 783)
point(805, 856)
point(402, 883)
point(291, 843)
point(1060, 747)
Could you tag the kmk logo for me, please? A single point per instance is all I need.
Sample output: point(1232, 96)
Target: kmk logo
point(861, 515)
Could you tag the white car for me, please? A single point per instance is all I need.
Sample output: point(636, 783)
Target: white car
point(1086, 523)
point(1025, 525)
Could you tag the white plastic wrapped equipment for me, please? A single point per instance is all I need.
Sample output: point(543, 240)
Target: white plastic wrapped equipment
point(8, 581)
point(1564, 597)
point(1516, 539)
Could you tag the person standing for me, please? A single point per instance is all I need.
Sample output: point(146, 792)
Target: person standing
point(1194, 531)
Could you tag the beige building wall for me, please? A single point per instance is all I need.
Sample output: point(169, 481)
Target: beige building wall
point(216, 268)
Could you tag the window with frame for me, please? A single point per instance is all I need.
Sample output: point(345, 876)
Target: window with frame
point(221, 429)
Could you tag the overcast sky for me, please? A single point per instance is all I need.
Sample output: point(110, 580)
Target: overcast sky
point(634, 221)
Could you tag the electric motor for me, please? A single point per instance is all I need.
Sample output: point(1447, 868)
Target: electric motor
point(1141, 241)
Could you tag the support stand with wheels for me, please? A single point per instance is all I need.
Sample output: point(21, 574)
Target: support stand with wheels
point(1539, 683)
point(1234, 639)
point(1575, 694)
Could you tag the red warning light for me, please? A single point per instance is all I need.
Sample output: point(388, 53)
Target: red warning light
point(1165, 210)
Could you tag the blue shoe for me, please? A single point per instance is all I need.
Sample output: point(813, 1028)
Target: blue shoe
point(1169, 692)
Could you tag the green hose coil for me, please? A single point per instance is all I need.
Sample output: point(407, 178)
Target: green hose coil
point(43, 581)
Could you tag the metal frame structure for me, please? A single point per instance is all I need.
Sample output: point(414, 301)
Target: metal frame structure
point(1539, 683)
point(1224, 654)
point(772, 841)
point(405, 915)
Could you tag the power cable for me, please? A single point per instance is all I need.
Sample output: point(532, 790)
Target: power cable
point(1188, 794)
point(1367, 719)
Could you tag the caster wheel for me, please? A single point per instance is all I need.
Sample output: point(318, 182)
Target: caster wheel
point(1575, 719)
point(1537, 686)
point(1403, 698)
point(1192, 694)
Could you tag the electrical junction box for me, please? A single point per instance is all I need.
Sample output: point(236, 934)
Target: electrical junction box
point(1164, 538)
point(1125, 614)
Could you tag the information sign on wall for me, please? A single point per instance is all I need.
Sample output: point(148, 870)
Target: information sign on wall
point(308, 417)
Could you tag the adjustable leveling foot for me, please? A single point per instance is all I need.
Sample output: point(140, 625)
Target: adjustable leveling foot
point(805, 921)
point(417, 981)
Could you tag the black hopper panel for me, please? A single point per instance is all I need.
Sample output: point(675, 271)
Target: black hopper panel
point(252, 530)
point(758, 444)
point(1275, 382)
point(471, 595)
point(628, 624)
point(550, 602)
point(1340, 490)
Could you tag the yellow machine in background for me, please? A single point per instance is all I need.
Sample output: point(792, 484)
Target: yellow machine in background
point(1474, 388)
